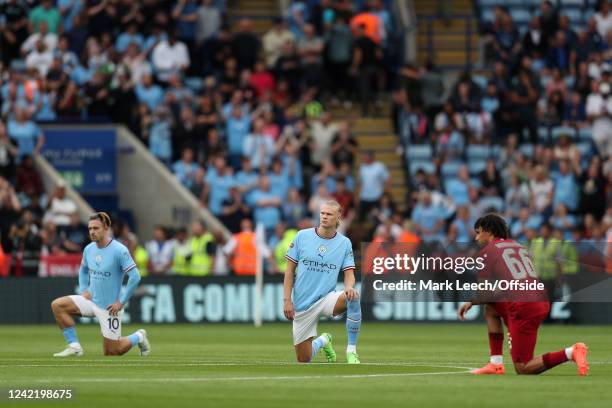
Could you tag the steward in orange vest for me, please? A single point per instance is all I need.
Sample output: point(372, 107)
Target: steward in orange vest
point(244, 257)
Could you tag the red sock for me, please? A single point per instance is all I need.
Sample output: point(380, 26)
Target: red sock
point(496, 344)
point(554, 359)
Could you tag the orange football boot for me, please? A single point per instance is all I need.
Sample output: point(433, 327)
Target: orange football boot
point(579, 356)
point(490, 369)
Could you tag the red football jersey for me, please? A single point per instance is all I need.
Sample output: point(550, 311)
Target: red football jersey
point(508, 263)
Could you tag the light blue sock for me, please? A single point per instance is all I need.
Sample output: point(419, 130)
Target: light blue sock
point(353, 322)
point(70, 335)
point(316, 346)
point(134, 338)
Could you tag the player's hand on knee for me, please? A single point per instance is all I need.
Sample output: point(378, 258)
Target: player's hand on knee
point(464, 309)
point(288, 309)
point(115, 308)
point(86, 295)
point(351, 294)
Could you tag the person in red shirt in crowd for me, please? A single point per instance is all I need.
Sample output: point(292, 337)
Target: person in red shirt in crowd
point(522, 312)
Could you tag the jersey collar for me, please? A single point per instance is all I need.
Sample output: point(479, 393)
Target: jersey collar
point(109, 242)
point(317, 232)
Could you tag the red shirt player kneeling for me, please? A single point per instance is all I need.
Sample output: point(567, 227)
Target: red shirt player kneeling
point(522, 312)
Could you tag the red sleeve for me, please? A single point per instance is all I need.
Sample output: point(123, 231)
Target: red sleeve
point(488, 256)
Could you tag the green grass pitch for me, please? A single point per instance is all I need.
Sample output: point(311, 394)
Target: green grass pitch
point(417, 365)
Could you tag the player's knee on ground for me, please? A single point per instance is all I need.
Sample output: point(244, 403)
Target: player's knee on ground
point(521, 369)
point(302, 358)
point(112, 349)
point(303, 352)
point(111, 352)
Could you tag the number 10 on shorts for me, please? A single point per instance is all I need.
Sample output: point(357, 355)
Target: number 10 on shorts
point(113, 323)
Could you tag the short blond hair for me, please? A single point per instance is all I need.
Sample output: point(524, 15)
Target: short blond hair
point(336, 204)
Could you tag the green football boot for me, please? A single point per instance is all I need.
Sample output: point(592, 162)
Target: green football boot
point(330, 354)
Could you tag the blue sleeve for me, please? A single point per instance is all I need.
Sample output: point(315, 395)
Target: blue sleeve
point(292, 252)
point(132, 283)
point(125, 260)
point(349, 259)
point(83, 276)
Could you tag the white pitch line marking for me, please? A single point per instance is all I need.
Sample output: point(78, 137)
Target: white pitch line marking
point(145, 363)
point(464, 370)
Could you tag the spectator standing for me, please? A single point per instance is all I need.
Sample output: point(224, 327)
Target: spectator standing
point(373, 181)
point(160, 251)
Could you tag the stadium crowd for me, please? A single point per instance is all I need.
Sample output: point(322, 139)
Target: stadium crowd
point(244, 123)
point(236, 116)
point(530, 137)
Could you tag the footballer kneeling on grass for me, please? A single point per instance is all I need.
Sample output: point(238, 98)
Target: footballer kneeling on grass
point(316, 257)
point(105, 262)
point(506, 259)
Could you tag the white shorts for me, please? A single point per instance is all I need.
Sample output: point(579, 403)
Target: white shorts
point(110, 325)
point(305, 322)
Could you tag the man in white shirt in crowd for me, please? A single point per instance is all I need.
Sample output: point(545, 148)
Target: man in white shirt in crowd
point(323, 132)
point(599, 111)
point(50, 39)
point(161, 251)
point(170, 57)
point(40, 58)
point(59, 207)
point(373, 181)
point(274, 40)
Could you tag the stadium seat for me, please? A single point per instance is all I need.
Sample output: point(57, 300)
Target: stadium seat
point(526, 149)
point(478, 152)
point(523, 28)
point(427, 166)
point(574, 14)
point(577, 3)
point(450, 169)
point(489, 3)
point(588, 14)
point(194, 83)
point(492, 202)
point(496, 151)
point(18, 65)
point(585, 134)
point(487, 15)
point(563, 130)
point(543, 134)
point(476, 166)
point(419, 152)
point(520, 15)
point(585, 149)
point(481, 81)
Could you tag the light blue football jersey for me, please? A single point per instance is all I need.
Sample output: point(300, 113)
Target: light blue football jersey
point(102, 271)
point(319, 261)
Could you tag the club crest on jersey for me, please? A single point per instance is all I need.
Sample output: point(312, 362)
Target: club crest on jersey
point(98, 259)
point(322, 250)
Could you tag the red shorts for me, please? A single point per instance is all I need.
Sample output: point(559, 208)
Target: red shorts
point(523, 320)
